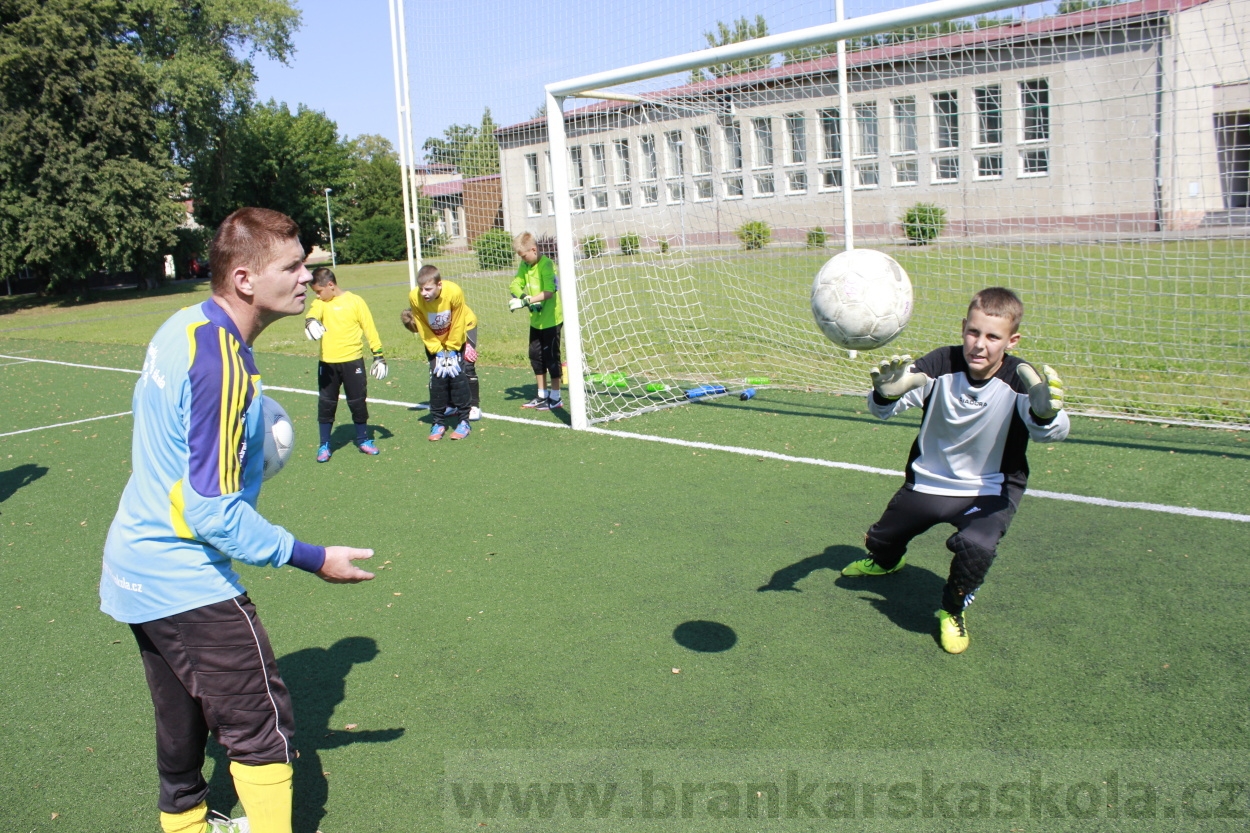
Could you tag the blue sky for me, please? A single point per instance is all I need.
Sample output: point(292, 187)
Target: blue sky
point(466, 55)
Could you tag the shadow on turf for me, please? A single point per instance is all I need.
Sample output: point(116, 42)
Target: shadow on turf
point(317, 679)
point(704, 636)
point(1161, 447)
point(345, 435)
point(17, 477)
point(525, 393)
point(907, 598)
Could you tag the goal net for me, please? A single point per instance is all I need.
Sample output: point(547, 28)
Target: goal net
point(1092, 156)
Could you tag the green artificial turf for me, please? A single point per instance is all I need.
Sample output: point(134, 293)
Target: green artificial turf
point(586, 609)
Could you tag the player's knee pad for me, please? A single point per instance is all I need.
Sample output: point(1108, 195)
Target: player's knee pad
point(326, 408)
point(971, 562)
point(359, 409)
point(884, 551)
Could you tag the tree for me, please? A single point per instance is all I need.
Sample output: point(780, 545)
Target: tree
point(285, 162)
point(108, 109)
point(449, 149)
point(742, 30)
point(86, 182)
point(481, 155)
point(374, 187)
point(471, 150)
point(1069, 6)
point(199, 54)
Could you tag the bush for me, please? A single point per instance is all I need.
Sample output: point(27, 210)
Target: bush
point(374, 239)
point(817, 238)
point(631, 244)
point(923, 222)
point(754, 234)
point(663, 245)
point(547, 246)
point(494, 250)
point(593, 246)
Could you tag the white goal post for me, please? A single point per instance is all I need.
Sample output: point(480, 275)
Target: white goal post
point(1094, 161)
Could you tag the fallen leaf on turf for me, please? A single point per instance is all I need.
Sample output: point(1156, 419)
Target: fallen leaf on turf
point(54, 816)
point(676, 670)
point(350, 726)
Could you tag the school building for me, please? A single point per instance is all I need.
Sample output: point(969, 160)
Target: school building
point(1132, 118)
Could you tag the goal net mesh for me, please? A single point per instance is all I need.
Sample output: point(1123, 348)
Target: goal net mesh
point(1095, 161)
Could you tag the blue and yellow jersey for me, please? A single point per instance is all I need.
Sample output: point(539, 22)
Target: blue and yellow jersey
point(197, 460)
point(347, 321)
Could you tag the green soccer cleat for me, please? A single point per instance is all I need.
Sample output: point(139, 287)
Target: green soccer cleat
point(868, 567)
point(953, 632)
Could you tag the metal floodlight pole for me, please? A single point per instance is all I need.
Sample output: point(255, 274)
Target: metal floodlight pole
point(334, 261)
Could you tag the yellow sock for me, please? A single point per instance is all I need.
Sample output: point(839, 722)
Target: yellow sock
point(265, 793)
point(188, 821)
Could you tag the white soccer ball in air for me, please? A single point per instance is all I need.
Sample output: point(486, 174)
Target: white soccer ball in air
point(279, 436)
point(861, 299)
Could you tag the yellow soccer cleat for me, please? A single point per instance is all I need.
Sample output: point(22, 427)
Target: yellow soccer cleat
point(869, 567)
point(953, 632)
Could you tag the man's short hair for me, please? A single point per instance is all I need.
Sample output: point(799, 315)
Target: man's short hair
point(246, 239)
point(323, 275)
point(525, 240)
point(999, 302)
point(428, 273)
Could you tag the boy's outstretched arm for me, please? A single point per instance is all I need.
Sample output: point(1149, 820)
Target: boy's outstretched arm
point(895, 377)
point(1045, 390)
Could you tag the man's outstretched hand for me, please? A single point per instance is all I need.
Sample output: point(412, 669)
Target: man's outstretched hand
point(340, 567)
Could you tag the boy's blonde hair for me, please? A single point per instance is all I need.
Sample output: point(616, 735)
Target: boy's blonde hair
point(525, 240)
point(428, 273)
point(999, 302)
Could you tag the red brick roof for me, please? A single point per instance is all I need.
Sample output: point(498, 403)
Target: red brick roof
point(454, 186)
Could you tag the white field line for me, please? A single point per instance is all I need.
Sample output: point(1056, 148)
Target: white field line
point(730, 449)
point(63, 424)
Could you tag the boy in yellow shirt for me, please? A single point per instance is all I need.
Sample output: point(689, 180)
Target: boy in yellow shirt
point(340, 320)
point(438, 313)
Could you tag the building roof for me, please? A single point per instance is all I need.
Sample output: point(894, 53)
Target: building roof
point(453, 187)
point(937, 45)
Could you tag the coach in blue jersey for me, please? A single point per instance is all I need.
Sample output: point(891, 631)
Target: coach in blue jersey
point(968, 465)
point(189, 510)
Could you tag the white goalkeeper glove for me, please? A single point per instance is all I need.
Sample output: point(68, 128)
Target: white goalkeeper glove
point(894, 377)
point(379, 369)
point(515, 304)
point(1045, 394)
point(447, 364)
point(314, 329)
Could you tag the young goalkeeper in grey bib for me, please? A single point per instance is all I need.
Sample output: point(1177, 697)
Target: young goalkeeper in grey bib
point(967, 466)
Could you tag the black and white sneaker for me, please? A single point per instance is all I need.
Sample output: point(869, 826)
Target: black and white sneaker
point(550, 405)
point(537, 402)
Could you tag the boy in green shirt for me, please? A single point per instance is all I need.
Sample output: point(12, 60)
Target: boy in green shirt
point(536, 287)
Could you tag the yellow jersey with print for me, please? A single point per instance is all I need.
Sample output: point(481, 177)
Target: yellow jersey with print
point(442, 321)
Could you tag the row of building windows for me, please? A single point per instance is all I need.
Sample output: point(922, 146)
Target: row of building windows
point(589, 166)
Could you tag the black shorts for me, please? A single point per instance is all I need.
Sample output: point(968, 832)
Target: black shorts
point(213, 669)
point(352, 379)
point(545, 351)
